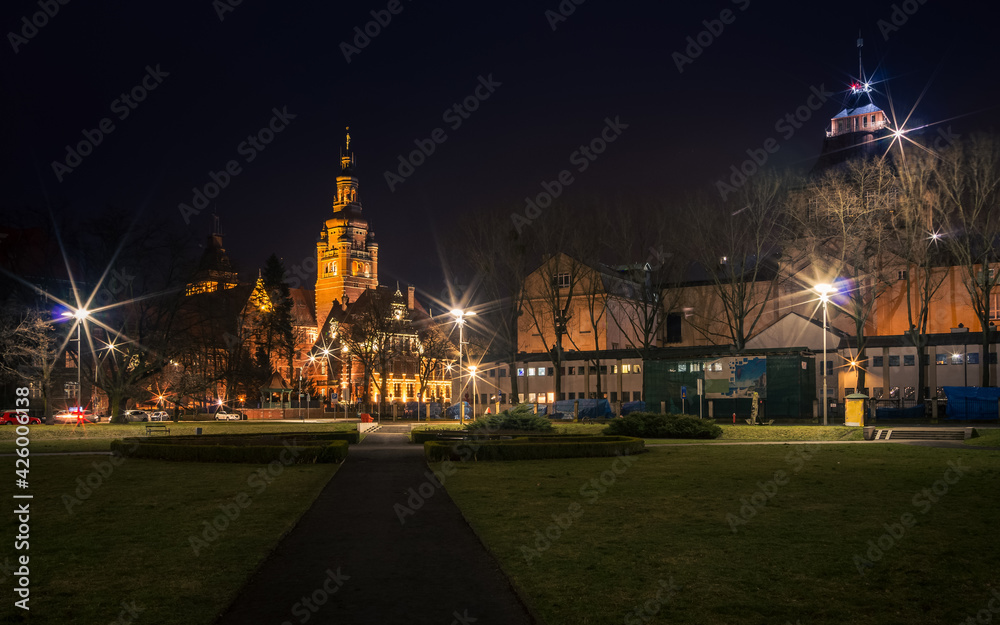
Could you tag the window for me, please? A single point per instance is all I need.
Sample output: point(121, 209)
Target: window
point(614, 396)
point(877, 392)
point(636, 369)
point(520, 372)
point(829, 367)
point(604, 369)
point(531, 398)
point(909, 392)
point(626, 368)
point(531, 371)
point(503, 373)
point(562, 397)
point(941, 359)
point(877, 361)
point(636, 395)
point(717, 366)
point(493, 373)
point(614, 368)
point(993, 358)
point(972, 358)
point(956, 358)
point(560, 280)
point(682, 367)
point(572, 395)
point(894, 392)
point(674, 328)
point(552, 397)
point(580, 371)
point(893, 361)
point(848, 391)
point(695, 367)
point(541, 371)
point(994, 306)
point(901, 275)
point(909, 360)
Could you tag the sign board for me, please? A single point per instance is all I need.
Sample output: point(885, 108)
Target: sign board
point(684, 392)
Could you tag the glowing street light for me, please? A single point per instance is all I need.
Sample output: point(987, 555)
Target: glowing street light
point(824, 291)
point(81, 315)
point(472, 372)
point(460, 316)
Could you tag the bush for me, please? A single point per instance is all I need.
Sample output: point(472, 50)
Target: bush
point(521, 418)
point(534, 448)
point(654, 425)
point(320, 451)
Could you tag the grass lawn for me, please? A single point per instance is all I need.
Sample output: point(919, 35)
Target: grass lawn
point(986, 438)
point(98, 436)
point(666, 519)
point(129, 540)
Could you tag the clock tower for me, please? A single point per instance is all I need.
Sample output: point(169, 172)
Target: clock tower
point(346, 253)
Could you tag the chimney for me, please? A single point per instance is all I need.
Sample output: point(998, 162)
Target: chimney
point(409, 297)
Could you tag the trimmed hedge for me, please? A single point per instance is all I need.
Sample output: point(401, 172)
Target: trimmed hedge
point(533, 448)
point(275, 438)
point(322, 451)
point(520, 418)
point(655, 425)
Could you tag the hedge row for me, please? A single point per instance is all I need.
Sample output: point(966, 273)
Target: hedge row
point(422, 436)
point(534, 448)
point(325, 452)
point(655, 425)
point(276, 438)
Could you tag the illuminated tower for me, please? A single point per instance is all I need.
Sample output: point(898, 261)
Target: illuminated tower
point(856, 129)
point(346, 253)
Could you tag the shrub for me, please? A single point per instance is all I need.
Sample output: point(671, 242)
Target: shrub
point(534, 448)
point(520, 418)
point(653, 425)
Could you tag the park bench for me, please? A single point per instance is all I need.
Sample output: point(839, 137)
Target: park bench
point(157, 429)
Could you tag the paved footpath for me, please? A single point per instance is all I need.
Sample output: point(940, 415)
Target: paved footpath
point(431, 569)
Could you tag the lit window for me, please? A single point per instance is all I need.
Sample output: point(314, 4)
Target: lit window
point(531, 398)
point(626, 368)
point(531, 371)
point(552, 397)
point(520, 372)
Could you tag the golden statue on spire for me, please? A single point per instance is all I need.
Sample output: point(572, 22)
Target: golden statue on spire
point(348, 128)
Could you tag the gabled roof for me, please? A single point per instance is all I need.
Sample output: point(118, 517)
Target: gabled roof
point(860, 110)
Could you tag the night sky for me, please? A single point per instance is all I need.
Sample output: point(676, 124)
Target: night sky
point(218, 80)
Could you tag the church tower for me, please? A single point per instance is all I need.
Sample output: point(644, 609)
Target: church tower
point(346, 253)
point(858, 127)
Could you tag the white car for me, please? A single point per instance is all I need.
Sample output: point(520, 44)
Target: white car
point(136, 415)
point(228, 416)
point(159, 416)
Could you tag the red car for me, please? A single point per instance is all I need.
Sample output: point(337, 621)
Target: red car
point(10, 417)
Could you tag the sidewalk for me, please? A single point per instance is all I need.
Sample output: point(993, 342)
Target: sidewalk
point(430, 570)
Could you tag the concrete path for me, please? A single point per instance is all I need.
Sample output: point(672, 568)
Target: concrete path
point(351, 560)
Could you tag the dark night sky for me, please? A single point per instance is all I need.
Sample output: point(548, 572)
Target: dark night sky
point(557, 87)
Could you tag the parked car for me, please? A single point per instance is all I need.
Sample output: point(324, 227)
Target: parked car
point(136, 415)
point(229, 416)
point(10, 417)
point(159, 416)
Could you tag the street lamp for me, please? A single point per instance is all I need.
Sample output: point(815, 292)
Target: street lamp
point(824, 291)
point(80, 314)
point(460, 316)
point(472, 372)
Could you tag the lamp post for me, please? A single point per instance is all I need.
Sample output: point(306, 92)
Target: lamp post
point(824, 291)
point(302, 370)
point(80, 314)
point(472, 372)
point(460, 316)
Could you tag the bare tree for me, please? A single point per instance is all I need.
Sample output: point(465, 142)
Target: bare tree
point(736, 244)
point(969, 178)
point(29, 348)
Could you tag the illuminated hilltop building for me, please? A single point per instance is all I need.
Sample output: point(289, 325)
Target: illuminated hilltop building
point(346, 253)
